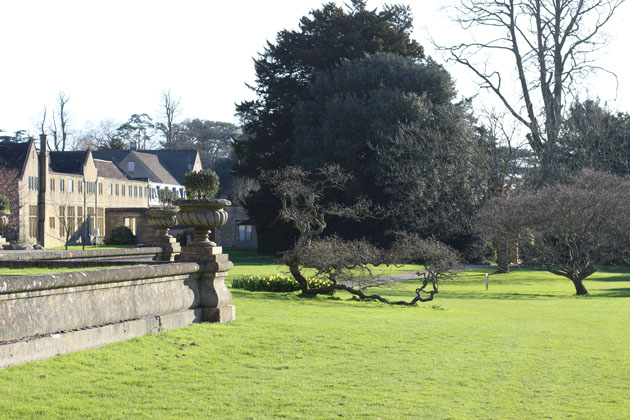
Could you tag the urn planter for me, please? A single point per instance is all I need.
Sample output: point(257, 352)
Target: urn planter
point(202, 216)
point(163, 220)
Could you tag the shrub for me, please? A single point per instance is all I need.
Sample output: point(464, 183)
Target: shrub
point(201, 185)
point(274, 283)
point(166, 198)
point(4, 203)
point(121, 235)
point(182, 238)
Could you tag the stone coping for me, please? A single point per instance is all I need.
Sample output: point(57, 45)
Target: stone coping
point(20, 284)
point(30, 255)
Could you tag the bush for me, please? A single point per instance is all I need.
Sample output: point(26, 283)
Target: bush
point(166, 198)
point(182, 238)
point(4, 203)
point(201, 185)
point(121, 235)
point(276, 283)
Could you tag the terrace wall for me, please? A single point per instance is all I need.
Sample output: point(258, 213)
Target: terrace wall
point(49, 314)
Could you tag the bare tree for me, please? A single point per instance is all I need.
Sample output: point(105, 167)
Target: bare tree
point(345, 264)
point(9, 188)
point(570, 230)
point(59, 124)
point(102, 136)
point(551, 44)
point(168, 127)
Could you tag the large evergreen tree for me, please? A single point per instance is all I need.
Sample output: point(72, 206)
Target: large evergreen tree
point(285, 70)
point(391, 122)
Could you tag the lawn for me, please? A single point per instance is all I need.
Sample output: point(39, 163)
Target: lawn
point(525, 349)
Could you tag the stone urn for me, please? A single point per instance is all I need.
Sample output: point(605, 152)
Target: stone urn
point(202, 216)
point(4, 222)
point(162, 220)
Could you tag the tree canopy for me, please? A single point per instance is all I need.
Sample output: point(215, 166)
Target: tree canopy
point(389, 120)
point(284, 71)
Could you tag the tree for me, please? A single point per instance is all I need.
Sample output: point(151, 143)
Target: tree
point(596, 138)
point(139, 129)
point(569, 229)
point(283, 73)
point(390, 121)
point(551, 44)
point(346, 265)
point(168, 127)
point(102, 136)
point(213, 139)
point(59, 125)
point(9, 188)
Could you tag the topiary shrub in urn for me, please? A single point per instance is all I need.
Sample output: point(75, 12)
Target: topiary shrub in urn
point(162, 219)
point(200, 211)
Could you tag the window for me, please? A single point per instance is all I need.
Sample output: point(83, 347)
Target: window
point(62, 185)
point(71, 185)
point(62, 221)
point(131, 166)
point(140, 191)
point(109, 189)
point(32, 221)
point(51, 222)
point(244, 232)
point(123, 190)
point(100, 221)
point(135, 190)
point(80, 221)
point(80, 186)
point(70, 222)
point(33, 183)
point(100, 189)
point(130, 191)
point(117, 189)
point(90, 217)
point(181, 193)
point(52, 184)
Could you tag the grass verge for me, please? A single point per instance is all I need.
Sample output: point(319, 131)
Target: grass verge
point(525, 349)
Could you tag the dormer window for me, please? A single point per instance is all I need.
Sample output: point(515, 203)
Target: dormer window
point(131, 166)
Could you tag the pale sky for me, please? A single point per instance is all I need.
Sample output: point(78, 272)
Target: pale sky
point(114, 58)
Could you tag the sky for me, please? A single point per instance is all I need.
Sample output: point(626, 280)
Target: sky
point(115, 58)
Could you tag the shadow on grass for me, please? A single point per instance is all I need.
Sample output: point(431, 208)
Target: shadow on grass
point(613, 293)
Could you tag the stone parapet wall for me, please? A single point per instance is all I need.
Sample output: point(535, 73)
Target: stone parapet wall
point(143, 254)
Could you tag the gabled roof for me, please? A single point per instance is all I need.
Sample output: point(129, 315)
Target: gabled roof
point(107, 169)
point(177, 162)
point(111, 155)
point(13, 155)
point(152, 163)
point(68, 162)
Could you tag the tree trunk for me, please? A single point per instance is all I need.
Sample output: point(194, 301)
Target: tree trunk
point(503, 256)
point(579, 287)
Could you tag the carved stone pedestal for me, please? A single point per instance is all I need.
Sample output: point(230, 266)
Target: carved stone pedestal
point(215, 298)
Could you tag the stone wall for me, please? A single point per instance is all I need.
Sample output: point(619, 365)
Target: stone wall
point(45, 315)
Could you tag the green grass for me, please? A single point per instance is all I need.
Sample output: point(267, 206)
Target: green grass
point(248, 263)
point(527, 348)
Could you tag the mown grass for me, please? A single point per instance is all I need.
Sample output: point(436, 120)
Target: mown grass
point(527, 348)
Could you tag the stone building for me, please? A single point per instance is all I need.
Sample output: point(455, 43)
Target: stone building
point(80, 196)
